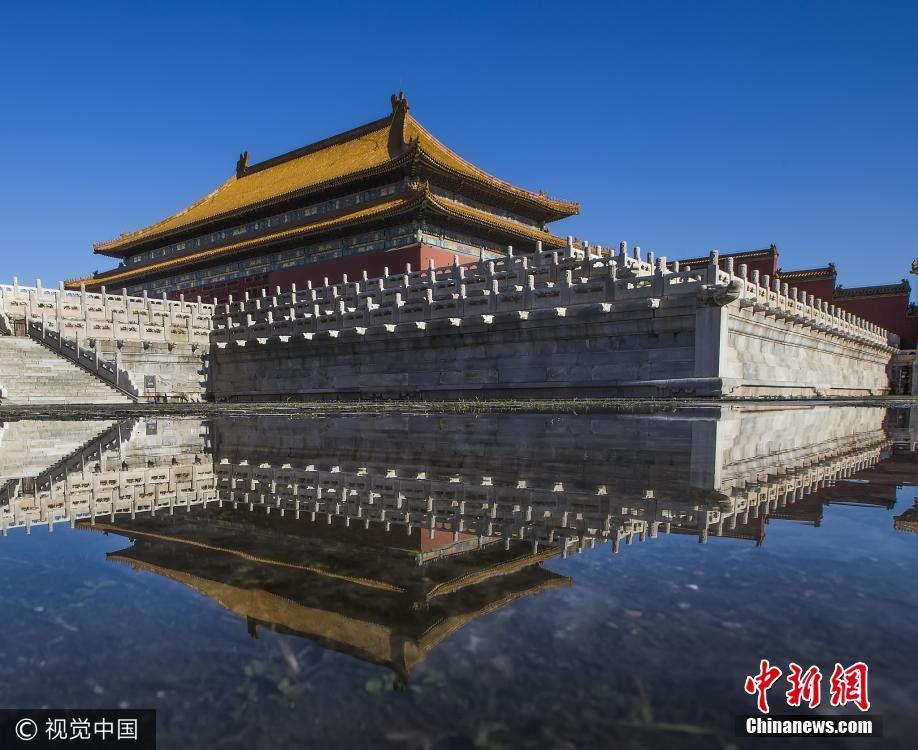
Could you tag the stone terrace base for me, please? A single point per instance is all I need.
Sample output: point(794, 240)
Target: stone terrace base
point(546, 326)
point(587, 352)
point(674, 347)
point(762, 355)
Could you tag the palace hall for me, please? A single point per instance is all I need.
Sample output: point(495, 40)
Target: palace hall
point(379, 198)
point(382, 195)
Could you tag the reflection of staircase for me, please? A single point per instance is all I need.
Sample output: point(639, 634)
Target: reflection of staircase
point(32, 374)
point(99, 437)
point(126, 467)
point(29, 447)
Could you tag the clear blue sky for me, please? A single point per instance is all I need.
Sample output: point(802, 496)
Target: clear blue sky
point(679, 126)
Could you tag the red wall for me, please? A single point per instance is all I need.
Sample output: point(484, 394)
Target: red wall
point(889, 312)
point(374, 264)
point(764, 266)
point(822, 289)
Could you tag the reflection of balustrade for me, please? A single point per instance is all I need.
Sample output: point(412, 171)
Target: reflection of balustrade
point(552, 517)
point(109, 493)
point(96, 480)
point(626, 492)
point(541, 286)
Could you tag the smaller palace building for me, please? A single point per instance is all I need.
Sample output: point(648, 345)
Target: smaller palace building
point(382, 195)
point(887, 305)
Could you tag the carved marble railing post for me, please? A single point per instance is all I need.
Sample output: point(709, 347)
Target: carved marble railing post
point(713, 267)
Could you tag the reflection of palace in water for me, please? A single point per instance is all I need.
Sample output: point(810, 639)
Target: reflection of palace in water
point(356, 590)
point(380, 535)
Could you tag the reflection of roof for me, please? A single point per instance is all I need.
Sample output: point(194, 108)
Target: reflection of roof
point(409, 202)
point(375, 641)
point(907, 521)
point(880, 290)
point(377, 147)
point(753, 530)
point(344, 553)
point(809, 274)
point(386, 625)
point(304, 568)
point(502, 568)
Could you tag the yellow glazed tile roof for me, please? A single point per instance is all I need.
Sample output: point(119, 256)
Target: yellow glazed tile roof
point(363, 152)
point(879, 290)
point(444, 156)
point(369, 149)
point(827, 272)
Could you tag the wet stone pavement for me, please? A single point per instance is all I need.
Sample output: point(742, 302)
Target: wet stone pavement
point(439, 581)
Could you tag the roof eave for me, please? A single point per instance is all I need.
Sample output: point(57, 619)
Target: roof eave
point(549, 209)
point(508, 229)
point(120, 248)
point(768, 252)
point(250, 246)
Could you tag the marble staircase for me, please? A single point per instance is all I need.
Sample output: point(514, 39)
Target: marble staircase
point(33, 374)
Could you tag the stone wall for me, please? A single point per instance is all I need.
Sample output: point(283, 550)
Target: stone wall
point(587, 352)
point(151, 349)
point(770, 356)
point(179, 372)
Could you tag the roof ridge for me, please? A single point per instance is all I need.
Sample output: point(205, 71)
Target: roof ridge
point(311, 148)
point(827, 270)
point(903, 284)
point(362, 152)
point(487, 176)
point(181, 212)
point(243, 169)
point(316, 187)
point(762, 251)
